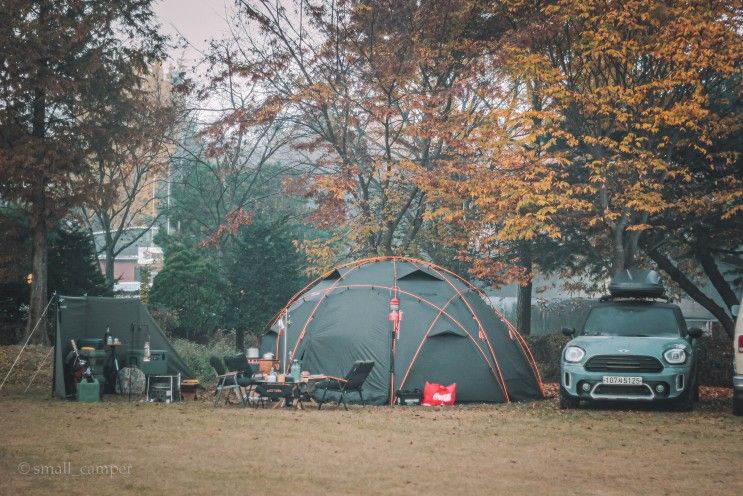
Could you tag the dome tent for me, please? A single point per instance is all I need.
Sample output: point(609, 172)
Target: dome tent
point(447, 333)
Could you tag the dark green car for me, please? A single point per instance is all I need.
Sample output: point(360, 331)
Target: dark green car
point(631, 348)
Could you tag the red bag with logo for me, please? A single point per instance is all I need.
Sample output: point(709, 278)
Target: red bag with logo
point(436, 394)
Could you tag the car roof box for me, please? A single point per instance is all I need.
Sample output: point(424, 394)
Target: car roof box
point(637, 283)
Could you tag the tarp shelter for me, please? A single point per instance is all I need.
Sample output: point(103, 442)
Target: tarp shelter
point(88, 317)
point(447, 332)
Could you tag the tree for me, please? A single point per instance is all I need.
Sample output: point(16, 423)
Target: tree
point(610, 144)
point(632, 82)
point(130, 165)
point(374, 94)
point(217, 187)
point(649, 94)
point(700, 236)
point(65, 65)
point(254, 255)
point(190, 287)
point(73, 266)
point(263, 271)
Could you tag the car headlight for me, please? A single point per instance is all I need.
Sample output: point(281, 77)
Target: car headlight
point(675, 355)
point(574, 354)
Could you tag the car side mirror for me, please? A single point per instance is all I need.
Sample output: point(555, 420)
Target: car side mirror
point(568, 331)
point(695, 333)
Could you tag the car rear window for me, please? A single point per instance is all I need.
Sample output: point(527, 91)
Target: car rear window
point(628, 320)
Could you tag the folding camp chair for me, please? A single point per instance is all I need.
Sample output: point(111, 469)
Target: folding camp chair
point(225, 381)
point(354, 381)
point(239, 363)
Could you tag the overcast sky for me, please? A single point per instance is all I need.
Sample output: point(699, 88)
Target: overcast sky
point(197, 21)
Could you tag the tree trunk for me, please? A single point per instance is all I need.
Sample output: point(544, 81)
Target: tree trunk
point(240, 339)
point(619, 258)
point(39, 282)
point(110, 258)
point(724, 288)
point(38, 300)
point(523, 299)
point(665, 264)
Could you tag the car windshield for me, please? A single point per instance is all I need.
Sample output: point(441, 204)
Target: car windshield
point(629, 320)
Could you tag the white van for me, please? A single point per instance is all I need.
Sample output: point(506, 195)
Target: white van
point(738, 366)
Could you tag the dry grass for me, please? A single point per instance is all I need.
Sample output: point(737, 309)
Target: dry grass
point(192, 448)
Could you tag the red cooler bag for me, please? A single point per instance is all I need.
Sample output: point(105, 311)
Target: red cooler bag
point(436, 394)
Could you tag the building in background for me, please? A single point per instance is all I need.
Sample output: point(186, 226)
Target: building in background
point(143, 253)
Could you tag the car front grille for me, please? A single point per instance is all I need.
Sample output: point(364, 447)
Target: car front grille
point(621, 390)
point(623, 363)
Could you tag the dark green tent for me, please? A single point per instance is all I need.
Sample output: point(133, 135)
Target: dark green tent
point(448, 333)
point(88, 317)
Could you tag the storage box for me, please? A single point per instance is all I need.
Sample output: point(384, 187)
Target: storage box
point(189, 389)
point(409, 397)
point(158, 364)
point(89, 392)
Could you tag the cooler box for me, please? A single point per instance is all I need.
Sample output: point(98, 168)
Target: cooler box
point(89, 392)
point(158, 364)
point(409, 397)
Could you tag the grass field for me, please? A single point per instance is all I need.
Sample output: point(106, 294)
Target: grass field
point(534, 448)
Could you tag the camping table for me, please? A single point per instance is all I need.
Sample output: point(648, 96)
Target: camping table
point(295, 391)
point(299, 388)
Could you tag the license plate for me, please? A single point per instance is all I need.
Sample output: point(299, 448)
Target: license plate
point(618, 379)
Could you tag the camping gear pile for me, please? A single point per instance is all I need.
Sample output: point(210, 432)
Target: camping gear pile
point(236, 373)
point(131, 350)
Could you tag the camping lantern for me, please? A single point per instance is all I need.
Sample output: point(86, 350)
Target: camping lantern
point(395, 316)
point(395, 313)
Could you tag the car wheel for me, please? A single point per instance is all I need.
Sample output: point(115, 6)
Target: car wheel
point(566, 401)
point(737, 403)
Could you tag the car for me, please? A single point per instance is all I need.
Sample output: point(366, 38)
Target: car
point(633, 346)
point(738, 366)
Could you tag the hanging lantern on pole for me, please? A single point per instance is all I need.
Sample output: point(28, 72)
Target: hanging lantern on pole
point(395, 315)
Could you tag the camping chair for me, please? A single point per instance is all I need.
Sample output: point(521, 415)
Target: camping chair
point(354, 381)
point(239, 363)
point(225, 380)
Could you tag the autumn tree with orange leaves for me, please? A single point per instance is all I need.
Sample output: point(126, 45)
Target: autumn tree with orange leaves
point(624, 149)
point(378, 94)
point(572, 136)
